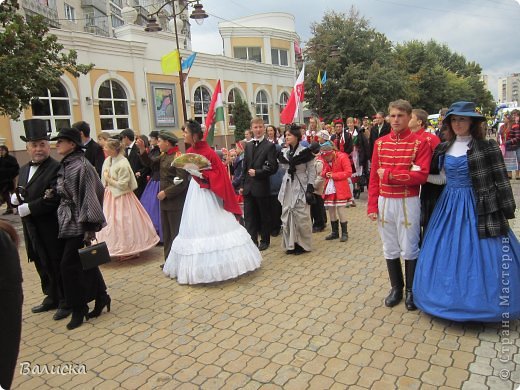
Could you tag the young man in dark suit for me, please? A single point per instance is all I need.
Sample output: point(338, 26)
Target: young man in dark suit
point(93, 151)
point(380, 128)
point(259, 163)
point(37, 207)
point(127, 137)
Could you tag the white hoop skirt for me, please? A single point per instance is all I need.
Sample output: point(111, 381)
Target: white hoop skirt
point(211, 245)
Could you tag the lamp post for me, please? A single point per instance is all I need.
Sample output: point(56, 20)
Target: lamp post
point(198, 15)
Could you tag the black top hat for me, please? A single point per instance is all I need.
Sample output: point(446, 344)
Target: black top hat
point(35, 130)
point(69, 133)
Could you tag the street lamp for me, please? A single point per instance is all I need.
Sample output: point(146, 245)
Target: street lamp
point(198, 15)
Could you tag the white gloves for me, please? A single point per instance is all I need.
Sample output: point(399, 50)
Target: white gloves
point(23, 210)
point(14, 200)
point(177, 180)
point(194, 172)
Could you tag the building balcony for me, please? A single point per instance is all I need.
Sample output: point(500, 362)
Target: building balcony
point(101, 5)
point(96, 30)
point(49, 12)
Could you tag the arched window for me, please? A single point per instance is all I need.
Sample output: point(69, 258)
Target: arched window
point(233, 95)
point(201, 103)
point(54, 107)
point(284, 98)
point(262, 106)
point(113, 106)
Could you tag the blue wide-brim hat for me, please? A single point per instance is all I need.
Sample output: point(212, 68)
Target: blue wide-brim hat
point(464, 109)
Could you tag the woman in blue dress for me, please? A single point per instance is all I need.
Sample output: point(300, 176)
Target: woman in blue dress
point(149, 197)
point(469, 265)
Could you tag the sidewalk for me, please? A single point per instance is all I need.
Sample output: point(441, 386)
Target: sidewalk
point(315, 321)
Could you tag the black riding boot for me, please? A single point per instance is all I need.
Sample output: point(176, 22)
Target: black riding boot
point(409, 270)
point(335, 231)
point(396, 280)
point(344, 233)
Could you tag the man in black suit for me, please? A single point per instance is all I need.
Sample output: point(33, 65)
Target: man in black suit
point(127, 137)
point(37, 204)
point(259, 163)
point(93, 151)
point(380, 128)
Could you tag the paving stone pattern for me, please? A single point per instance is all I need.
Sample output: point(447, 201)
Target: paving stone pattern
point(315, 321)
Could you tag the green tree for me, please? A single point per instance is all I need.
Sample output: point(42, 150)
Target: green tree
point(31, 59)
point(362, 77)
point(437, 76)
point(241, 116)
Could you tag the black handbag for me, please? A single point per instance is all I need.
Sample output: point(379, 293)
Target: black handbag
point(310, 198)
point(94, 255)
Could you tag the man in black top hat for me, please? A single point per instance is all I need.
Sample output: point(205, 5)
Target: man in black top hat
point(127, 137)
point(93, 151)
point(39, 219)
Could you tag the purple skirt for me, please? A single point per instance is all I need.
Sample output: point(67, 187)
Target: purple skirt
point(151, 205)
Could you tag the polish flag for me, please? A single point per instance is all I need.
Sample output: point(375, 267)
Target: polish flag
point(290, 112)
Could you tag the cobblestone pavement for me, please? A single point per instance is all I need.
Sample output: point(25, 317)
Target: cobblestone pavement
point(315, 321)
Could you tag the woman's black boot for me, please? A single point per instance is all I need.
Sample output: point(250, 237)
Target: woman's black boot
point(77, 317)
point(100, 304)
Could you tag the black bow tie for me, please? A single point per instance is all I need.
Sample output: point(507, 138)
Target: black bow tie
point(256, 142)
point(35, 164)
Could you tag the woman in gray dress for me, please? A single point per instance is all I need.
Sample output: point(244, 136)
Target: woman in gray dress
point(297, 185)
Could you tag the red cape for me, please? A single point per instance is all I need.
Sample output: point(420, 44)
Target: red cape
point(217, 178)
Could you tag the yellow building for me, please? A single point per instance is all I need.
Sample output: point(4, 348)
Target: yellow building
point(127, 88)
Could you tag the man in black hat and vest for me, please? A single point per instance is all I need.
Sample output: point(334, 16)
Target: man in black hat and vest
point(39, 219)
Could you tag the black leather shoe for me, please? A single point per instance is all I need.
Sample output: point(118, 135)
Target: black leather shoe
point(44, 307)
point(263, 246)
point(61, 314)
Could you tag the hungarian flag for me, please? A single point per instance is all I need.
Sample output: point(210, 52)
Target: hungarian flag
point(290, 112)
point(215, 114)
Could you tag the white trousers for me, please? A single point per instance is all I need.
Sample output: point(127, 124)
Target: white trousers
point(398, 222)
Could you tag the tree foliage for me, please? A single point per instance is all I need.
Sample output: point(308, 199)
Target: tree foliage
point(31, 59)
point(365, 71)
point(241, 116)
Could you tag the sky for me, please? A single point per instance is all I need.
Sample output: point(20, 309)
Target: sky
point(485, 31)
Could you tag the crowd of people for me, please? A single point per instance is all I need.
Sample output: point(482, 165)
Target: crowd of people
point(433, 202)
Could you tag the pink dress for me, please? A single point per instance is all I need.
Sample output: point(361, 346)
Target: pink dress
point(129, 229)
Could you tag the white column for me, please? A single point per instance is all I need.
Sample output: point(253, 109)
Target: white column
point(141, 92)
point(267, 50)
point(87, 107)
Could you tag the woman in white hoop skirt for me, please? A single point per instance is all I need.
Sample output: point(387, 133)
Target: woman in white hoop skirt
point(211, 245)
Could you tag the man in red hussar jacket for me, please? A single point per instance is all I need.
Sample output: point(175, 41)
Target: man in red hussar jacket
point(400, 164)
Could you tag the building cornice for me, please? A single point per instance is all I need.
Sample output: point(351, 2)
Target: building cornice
point(81, 41)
